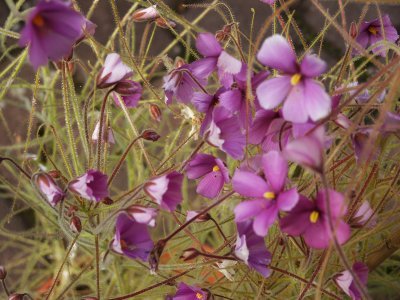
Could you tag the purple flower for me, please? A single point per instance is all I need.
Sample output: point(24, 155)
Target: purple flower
point(48, 188)
point(142, 214)
point(268, 197)
point(130, 92)
point(213, 171)
point(375, 31)
point(187, 292)
point(216, 57)
point(51, 30)
point(310, 220)
point(166, 190)
point(131, 238)
point(303, 96)
point(250, 248)
point(225, 133)
point(308, 150)
point(92, 185)
point(113, 71)
point(345, 280)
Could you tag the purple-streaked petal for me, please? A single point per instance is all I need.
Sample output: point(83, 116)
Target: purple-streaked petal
point(231, 100)
point(202, 68)
point(273, 91)
point(229, 64)
point(200, 165)
point(249, 184)
point(202, 102)
point(211, 185)
point(207, 44)
point(275, 170)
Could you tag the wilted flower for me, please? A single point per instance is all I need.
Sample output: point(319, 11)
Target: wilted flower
point(131, 238)
point(363, 215)
point(130, 92)
point(113, 71)
point(142, 215)
point(213, 171)
point(48, 188)
point(372, 32)
point(268, 197)
point(92, 185)
point(187, 292)
point(145, 14)
point(310, 220)
point(304, 98)
point(346, 282)
point(250, 248)
point(166, 190)
point(51, 30)
point(108, 135)
point(225, 133)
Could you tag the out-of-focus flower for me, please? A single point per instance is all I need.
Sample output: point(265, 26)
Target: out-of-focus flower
point(225, 133)
point(268, 197)
point(268, 1)
point(51, 30)
point(142, 215)
point(130, 92)
point(375, 31)
point(48, 188)
point(213, 171)
point(113, 71)
point(145, 14)
point(251, 249)
point(308, 150)
point(363, 215)
point(310, 220)
point(303, 97)
point(131, 239)
point(166, 190)
point(187, 292)
point(92, 185)
point(108, 134)
point(346, 282)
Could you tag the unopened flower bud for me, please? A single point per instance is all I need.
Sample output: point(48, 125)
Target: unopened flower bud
point(3, 273)
point(353, 30)
point(75, 224)
point(155, 254)
point(223, 34)
point(155, 112)
point(54, 173)
point(108, 134)
point(163, 23)
point(108, 201)
point(203, 218)
point(146, 14)
point(150, 135)
point(189, 254)
point(48, 188)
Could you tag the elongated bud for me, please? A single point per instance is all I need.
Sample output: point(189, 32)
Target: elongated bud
point(48, 188)
point(146, 14)
point(3, 273)
point(54, 173)
point(163, 23)
point(155, 254)
point(108, 201)
point(150, 135)
point(189, 254)
point(223, 34)
point(75, 224)
point(155, 112)
point(107, 132)
point(203, 218)
point(353, 30)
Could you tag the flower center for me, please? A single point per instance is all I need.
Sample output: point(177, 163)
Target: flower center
point(314, 216)
point(38, 21)
point(215, 168)
point(373, 30)
point(295, 79)
point(199, 296)
point(269, 195)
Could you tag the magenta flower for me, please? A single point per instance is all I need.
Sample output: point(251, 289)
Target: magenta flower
point(225, 133)
point(142, 214)
point(310, 220)
point(92, 186)
point(51, 30)
point(375, 31)
point(187, 292)
point(216, 57)
point(113, 71)
point(166, 190)
point(131, 239)
point(250, 248)
point(130, 92)
point(48, 188)
point(268, 197)
point(213, 171)
point(345, 280)
point(304, 98)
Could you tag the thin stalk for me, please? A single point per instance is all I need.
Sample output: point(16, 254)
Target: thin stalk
point(17, 166)
point(100, 139)
point(3, 282)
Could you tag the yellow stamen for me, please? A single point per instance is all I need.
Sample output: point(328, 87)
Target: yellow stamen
point(295, 79)
point(215, 168)
point(314, 216)
point(373, 30)
point(38, 21)
point(199, 296)
point(269, 195)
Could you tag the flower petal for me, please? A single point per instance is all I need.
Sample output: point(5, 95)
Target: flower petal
point(264, 220)
point(229, 64)
point(275, 170)
point(249, 184)
point(317, 102)
point(294, 109)
point(312, 66)
point(272, 92)
point(207, 44)
point(288, 199)
point(248, 209)
point(211, 185)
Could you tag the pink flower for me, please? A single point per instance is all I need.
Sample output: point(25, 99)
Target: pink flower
point(345, 280)
point(303, 97)
point(142, 214)
point(92, 186)
point(48, 188)
point(166, 190)
point(113, 71)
